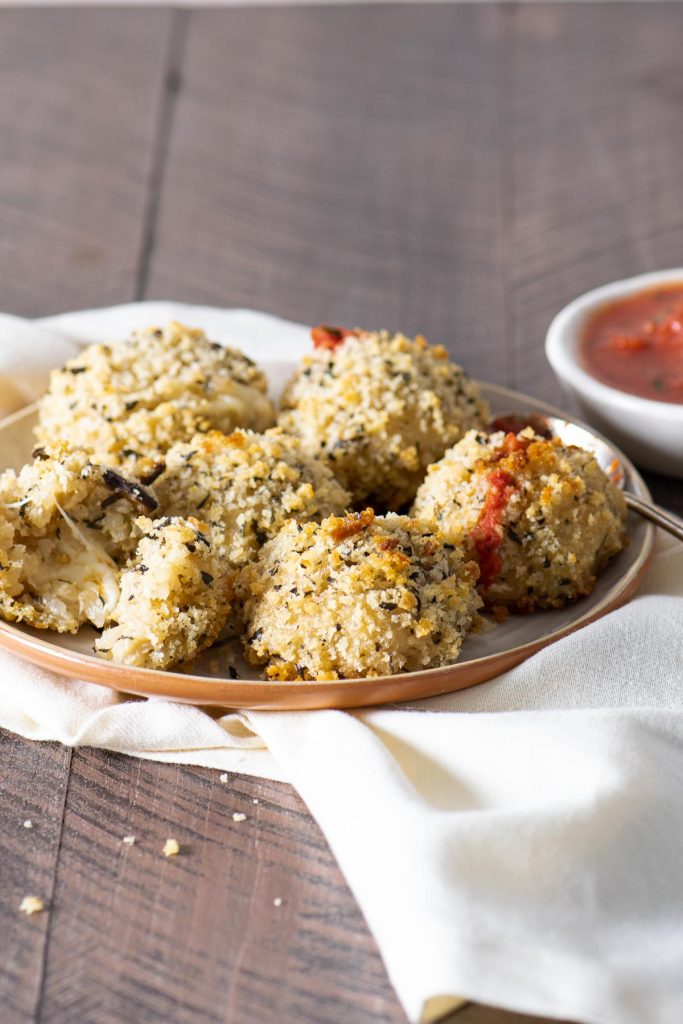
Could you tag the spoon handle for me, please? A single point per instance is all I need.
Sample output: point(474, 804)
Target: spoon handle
point(667, 520)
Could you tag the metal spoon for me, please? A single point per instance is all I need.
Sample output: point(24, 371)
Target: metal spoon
point(608, 460)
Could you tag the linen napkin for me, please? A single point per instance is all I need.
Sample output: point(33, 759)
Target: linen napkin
point(519, 843)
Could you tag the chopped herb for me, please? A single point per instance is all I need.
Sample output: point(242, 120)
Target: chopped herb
point(130, 489)
point(154, 473)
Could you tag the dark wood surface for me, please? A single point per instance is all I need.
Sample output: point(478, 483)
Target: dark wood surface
point(462, 171)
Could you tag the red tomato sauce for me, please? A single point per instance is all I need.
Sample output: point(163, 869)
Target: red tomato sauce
point(636, 344)
point(488, 533)
point(329, 337)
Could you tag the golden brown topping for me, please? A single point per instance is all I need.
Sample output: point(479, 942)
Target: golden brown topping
point(355, 522)
point(237, 439)
point(387, 543)
point(500, 613)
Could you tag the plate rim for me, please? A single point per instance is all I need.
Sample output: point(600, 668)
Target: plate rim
point(318, 694)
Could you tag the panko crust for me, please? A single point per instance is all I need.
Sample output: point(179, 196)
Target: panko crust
point(175, 597)
point(66, 524)
point(540, 517)
point(246, 486)
point(355, 596)
point(379, 408)
point(128, 402)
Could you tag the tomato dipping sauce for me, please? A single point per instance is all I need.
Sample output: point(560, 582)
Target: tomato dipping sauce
point(635, 344)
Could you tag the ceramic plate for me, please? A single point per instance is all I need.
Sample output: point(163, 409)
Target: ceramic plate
point(277, 345)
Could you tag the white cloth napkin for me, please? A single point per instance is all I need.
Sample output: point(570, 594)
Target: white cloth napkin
point(528, 856)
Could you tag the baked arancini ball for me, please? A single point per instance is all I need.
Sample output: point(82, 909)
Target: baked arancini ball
point(66, 526)
point(360, 595)
point(128, 402)
point(245, 486)
point(541, 518)
point(379, 408)
point(175, 597)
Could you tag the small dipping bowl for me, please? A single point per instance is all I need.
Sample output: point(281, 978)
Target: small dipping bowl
point(650, 431)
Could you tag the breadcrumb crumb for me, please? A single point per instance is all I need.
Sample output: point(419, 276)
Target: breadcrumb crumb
point(171, 848)
point(128, 840)
point(31, 905)
point(28, 823)
point(277, 902)
point(238, 816)
point(223, 777)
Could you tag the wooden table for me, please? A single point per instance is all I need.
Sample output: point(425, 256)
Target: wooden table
point(459, 171)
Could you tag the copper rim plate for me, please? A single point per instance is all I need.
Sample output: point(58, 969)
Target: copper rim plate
point(207, 682)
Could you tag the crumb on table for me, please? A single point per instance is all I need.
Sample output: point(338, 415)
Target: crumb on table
point(31, 905)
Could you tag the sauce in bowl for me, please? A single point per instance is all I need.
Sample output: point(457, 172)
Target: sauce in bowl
point(635, 344)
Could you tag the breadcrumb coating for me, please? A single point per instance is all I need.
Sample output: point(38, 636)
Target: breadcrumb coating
point(378, 408)
point(175, 597)
point(246, 486)
point(357, 596)
point(540, 517)
point(130, 401)
point(65, 526)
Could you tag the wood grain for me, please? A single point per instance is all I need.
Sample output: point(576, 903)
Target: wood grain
point(140, 937)
point(592, 103)
point(81, 95)
point(331, 164)
point(34, 781)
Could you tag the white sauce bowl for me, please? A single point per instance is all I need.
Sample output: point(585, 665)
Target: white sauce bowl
point(650, 432)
